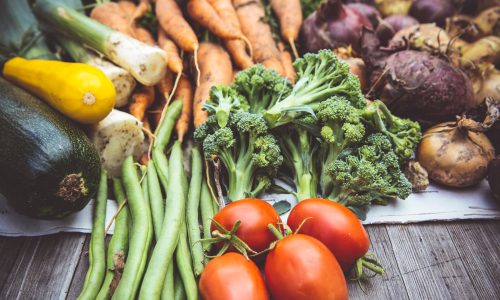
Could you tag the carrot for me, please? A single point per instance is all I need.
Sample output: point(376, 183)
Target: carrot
point(215, 68)
point(128, 7)
point(111, 15)
point(184, 92)
point(289, 13)
point(143, 35)
point(141, 9)
point(174, 63)
point(175, 26)
point(251, 15)
point(142, 98)
point(202, 12)
point(164, 88)
point(286, 60)
point(237, 49)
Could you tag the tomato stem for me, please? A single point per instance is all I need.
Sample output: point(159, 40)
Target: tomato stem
point(277, 233)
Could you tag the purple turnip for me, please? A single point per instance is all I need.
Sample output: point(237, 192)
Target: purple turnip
point(370, 12)
point(432, 11)
point(333, 25)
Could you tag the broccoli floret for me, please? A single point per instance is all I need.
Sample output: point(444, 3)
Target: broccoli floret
point(246, 148)
point(369, 174)
point(341, 128)
point(319, 77)
point(404, 134)
point(223, 100)
point(261, 87)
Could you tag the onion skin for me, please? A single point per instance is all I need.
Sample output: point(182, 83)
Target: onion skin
point(421, 37)
point(454, 156)
point(422, 87)
point(494, 177)
point(332, 26)
point(486, 84)
point(432, 11)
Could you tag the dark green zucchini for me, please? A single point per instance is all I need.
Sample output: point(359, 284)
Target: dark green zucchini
point(48, 167)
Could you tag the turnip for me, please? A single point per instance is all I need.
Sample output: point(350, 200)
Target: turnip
point(370, 12)
point(432, 11)
point(389, 26)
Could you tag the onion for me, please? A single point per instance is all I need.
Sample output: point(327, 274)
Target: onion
point(456, 154)
point(392, 24)
point(485, 83)
point(418, 85)
point(421, 37)
point(432, 11)
point(393, 7)
point(471, 7)
point(333, 25)
point(488, 21)
point(494, 177)
point(370, 12)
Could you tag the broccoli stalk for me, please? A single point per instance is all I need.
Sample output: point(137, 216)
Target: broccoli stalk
point(300, 149)
point(249, 153)
point(319, 77)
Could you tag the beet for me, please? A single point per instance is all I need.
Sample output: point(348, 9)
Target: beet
point(494, 177)
point(432, 11)
point(423, 87)
point(389, 26)
point(333, 25)
point(370, 12)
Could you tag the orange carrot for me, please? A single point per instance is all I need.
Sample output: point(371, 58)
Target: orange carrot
point(286, 60)
point(164, 88)
point(237, 49)
point(215, 68)
point(128, 7)
point(174, 63)
point(172, 21)
point(289, 13)
point(143, 35)
point(185, 93)
point(251, 15)
point(111, 15)
point(202, 12)
point(142, 98)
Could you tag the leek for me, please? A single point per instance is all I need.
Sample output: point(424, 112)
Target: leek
point(20, 35)
point(146, 63)
point(122, 80)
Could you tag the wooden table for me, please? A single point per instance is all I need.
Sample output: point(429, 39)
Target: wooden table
point(456, 260)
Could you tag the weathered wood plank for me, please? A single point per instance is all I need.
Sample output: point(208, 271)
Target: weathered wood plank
point(10, 248)
point(478, 245)
point(44, 269)
point(80, 272)
point(431, 266)
point(388, 286)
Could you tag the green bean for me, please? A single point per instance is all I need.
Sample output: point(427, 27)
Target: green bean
point(179, 291)
point(169, 234)
point(183, 259)
point(140, 234)
point(193, 204)
point(156, 200)
point(97, 255)
point(167, 291)
point(118, 245)
point(207, 213)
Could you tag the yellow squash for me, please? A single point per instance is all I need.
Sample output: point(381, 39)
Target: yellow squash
point(79, 91)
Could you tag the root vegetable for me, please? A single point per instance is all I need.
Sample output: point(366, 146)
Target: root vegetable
point(484, 50)
point(393, 7)
point(432, 11)
point(488, 21)
point(421, 37)
point(370, 12)
point(389, 26)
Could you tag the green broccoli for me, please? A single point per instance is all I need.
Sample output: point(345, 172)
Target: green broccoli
point(405, 134)
point(223, 100)
point(368, 174)
point(319, 77)
point(300, 145)
point(249, 152)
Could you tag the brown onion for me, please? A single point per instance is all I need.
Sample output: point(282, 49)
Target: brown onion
point(456, 154)
point(485, 83)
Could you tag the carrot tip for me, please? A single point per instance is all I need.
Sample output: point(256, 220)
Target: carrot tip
point(249, 46)
point(294, 49)
point(196, 65)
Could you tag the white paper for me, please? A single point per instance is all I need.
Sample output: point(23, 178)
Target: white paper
point(435, 204)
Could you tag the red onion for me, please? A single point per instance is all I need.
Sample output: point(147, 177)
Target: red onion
point(389, 26)
point(432, 11)
point(370, 12)
point(333, 25)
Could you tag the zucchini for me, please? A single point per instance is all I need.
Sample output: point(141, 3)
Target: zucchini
point(48, 167)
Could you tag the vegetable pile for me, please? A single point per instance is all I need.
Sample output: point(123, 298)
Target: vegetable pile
point(186, 112)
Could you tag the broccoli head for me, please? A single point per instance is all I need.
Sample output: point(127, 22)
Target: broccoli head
point(249, 152)
point(223, 100)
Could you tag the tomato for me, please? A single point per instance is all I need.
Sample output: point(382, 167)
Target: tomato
point(335, 226)
point(301, 267)
point(232, 276)
point(255, 215)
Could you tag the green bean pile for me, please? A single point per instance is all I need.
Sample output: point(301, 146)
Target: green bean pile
point(154, 252)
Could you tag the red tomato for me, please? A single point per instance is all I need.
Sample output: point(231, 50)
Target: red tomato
point(255, 215)
point(335, 226)
point(232, 276)
point(301, 268)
